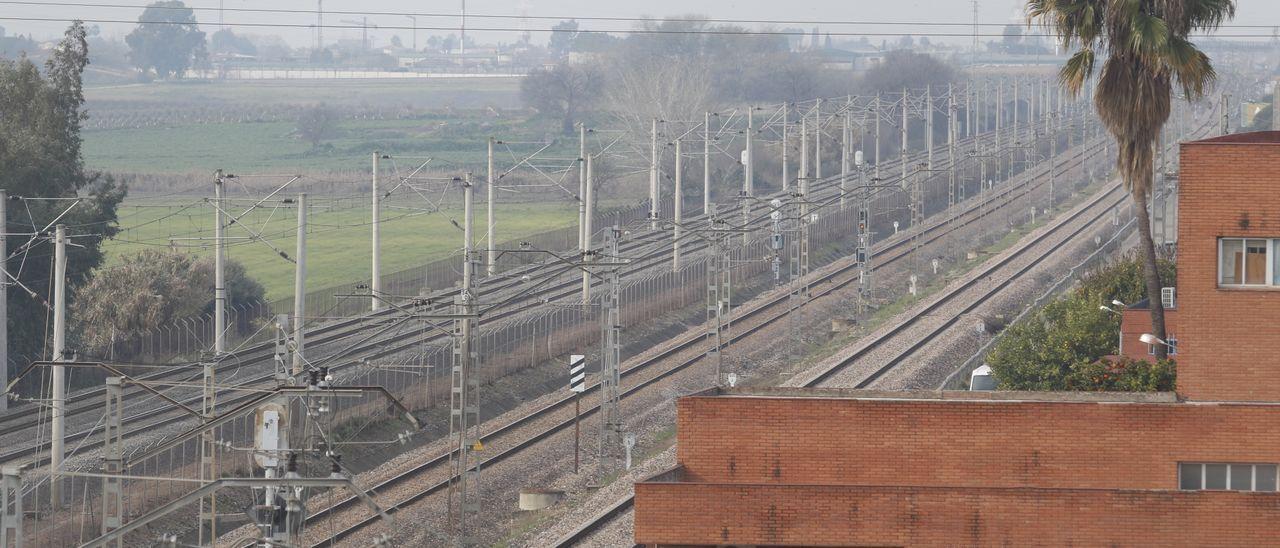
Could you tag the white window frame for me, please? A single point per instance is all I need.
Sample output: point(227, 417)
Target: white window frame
point(1173, 346)
point(1253, 475)
point(1268, 278)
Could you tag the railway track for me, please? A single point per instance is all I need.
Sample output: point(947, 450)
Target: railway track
point(510, 439)
point(904, 329)
point(86, 404)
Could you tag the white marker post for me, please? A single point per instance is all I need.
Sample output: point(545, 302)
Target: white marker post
point(577, 385)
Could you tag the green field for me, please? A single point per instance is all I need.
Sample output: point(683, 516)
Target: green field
point(446, 120)
point(271, 146)
point(338, 249)
point(179, 128)
point(420, 93)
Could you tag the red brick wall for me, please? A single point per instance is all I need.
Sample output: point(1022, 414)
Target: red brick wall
point(808, 515)
point(1135, 322)
point(1228, 340)
point(735, 439)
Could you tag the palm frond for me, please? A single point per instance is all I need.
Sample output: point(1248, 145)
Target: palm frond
point(1191, 67)
point(1076, 71)
point(1148, 37)
point(1207, 14)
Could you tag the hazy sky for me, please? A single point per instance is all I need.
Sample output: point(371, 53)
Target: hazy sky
point(1252, 12)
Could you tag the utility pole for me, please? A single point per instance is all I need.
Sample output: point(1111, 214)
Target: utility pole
point(208, 450)
point(864, 237)
point(4, 300)
point(747, 167)
point(974, 56)
point(208, 510)
point(844, 159)
point(999, 122)
point(587, 228)
point(300, 289)
point(56, 421)
point(817, 139)
point(877, 148)
point(610, 439)
point(928, 124)
point(319, 25)
point(903, 132)
point(679, 211)
point(968, 109)
point(582, 186)
point(219, 267)
point(804, 149)
point(953, 120)
point(706, 162)
point(375, 281)
point(786, 126)
point(413, 20)
point(653, 176)
point(718, 294)
point(748, 182)
point(1016, 107)
point(1226, 121)
point(464, 403)
point(490, 189)
point(113, 458)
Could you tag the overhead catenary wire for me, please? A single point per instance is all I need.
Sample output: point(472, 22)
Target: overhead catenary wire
point(443, 15)
point(720, 32)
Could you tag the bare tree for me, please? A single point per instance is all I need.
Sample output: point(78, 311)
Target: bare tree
point(316, 124)
point(662, 88)
point(564, 91)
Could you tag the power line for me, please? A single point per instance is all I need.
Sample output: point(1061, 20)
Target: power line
point(539, 17)
point(581, 31)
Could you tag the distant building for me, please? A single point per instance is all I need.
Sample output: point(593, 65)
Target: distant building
point(1195, 467)
point(1249, 111)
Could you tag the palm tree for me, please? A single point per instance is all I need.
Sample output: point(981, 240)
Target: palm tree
point(1147, 52)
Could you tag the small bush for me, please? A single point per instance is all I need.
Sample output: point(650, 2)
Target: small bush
point(1124, 375)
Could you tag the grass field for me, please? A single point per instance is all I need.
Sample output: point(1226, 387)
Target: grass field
point(338, 248)
point(448, 120)
point(421, 93)
point(271, 146)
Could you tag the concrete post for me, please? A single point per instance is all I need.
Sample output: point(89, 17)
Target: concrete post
point(375, 270)
point(490, 189)
point(59, 403)
point(300, 288)
point(679, 206)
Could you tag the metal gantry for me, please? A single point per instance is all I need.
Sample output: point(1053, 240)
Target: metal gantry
point(611, 427)
point(464, 396)
point(719, 292)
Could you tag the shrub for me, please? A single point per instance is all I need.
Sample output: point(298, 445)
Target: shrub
point(1062, 345)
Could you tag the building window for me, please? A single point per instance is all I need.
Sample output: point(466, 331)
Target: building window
point(1244, 262)
point(1197, 476)
point(1173, 347)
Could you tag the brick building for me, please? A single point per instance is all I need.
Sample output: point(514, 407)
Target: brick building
point(1135, 320)
point(789, 467)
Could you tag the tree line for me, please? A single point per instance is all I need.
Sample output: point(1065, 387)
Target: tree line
point(686, 66)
